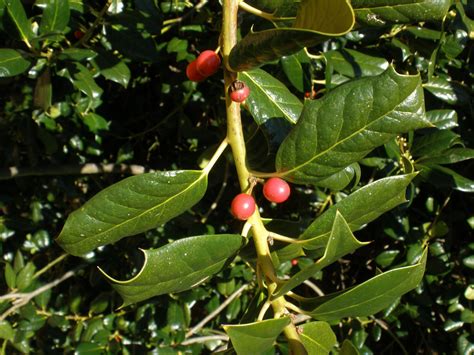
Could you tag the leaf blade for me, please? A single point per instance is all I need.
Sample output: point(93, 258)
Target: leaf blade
point(95, 224)
point(347, 123)
point(194, 260)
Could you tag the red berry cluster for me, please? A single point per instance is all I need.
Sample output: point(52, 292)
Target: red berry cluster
point(206, 64)
point(275, 190)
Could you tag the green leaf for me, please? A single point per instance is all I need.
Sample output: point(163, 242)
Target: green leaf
point(255, 338)
point(77, 54)
point(450, 92)
point(441, 176)
point(348, 123)
point(25, 276)
point(55, 16)
point(10, 276)
point(12, 63)
point(297, 68)
point(316, 22)
point(95, 122)
point(318, 338)
point(6, 330)
point(352, 63)
point(17, 15)
point(449, 156)
point(270, 98)
point(359, 208)
point(373, 295)
point(83, 80)
point(341, 241)
point(341, 179)
point(112, 68)
point(433, 142)
point(387, 257)
point(348, 348)
point(178, 266)
point(383, 12)
point(443, 119)
point(131, 206)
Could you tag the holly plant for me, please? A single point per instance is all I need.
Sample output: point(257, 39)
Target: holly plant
point(309, 127)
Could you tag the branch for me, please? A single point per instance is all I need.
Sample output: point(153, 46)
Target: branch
point(218, 310)
point(83, 169)
point(24, 298)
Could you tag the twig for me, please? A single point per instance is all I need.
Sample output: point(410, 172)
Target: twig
point(24, 298)
point(96, 23)
point(219, 195)
point(385, 327)
point(218, 310)
point(170, 23)
point(84, 169)
point(204, 339)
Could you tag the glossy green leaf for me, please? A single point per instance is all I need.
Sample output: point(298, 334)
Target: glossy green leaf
point(449, 156)
point(434, 141)
point(341, 179)
point(113, 68)
point(10, 276)
point(352, 63)
point(450, 92)
point(25, 276)
point(297, 68)
point(17, 15)
point(318, 338)
point(348, 123)
point(178, 266)
point(359, 208)
point(77, 54)
point(95, 122)
point(12, 63)
point(315, 22)
point(55, 16)
point(281, 8)
point(383, 12)
point(443, 119)
point(387, 257)
point(6, 330)
point(341, 241)
point(348, 348)
point(441, 176)
point(373, 295)
point(131, 206)
point(270, 98)
point(83, 80)
point(255, 338)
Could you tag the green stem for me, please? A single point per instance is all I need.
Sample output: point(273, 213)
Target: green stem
point(235, 137)
point(49, 266)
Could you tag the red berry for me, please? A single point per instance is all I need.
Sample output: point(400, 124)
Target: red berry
point(207, 63)
point(192, 73)
point(239, 91)
point(276, 190)
point(243, 206)
point(294, 262)
point(78, 34)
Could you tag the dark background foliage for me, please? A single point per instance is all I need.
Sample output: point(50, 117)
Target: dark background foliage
point(124, 99)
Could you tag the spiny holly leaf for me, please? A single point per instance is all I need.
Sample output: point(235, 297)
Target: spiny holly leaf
point(352, 63)
point(373, 295)
point(270, 98)
point(318, 338)
point(255, 338)
point(358, 209)
point(178, 266)
point(341, 242)
point(315, 22)
point(349, 122)
point(383, 12)
point(131, 206)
